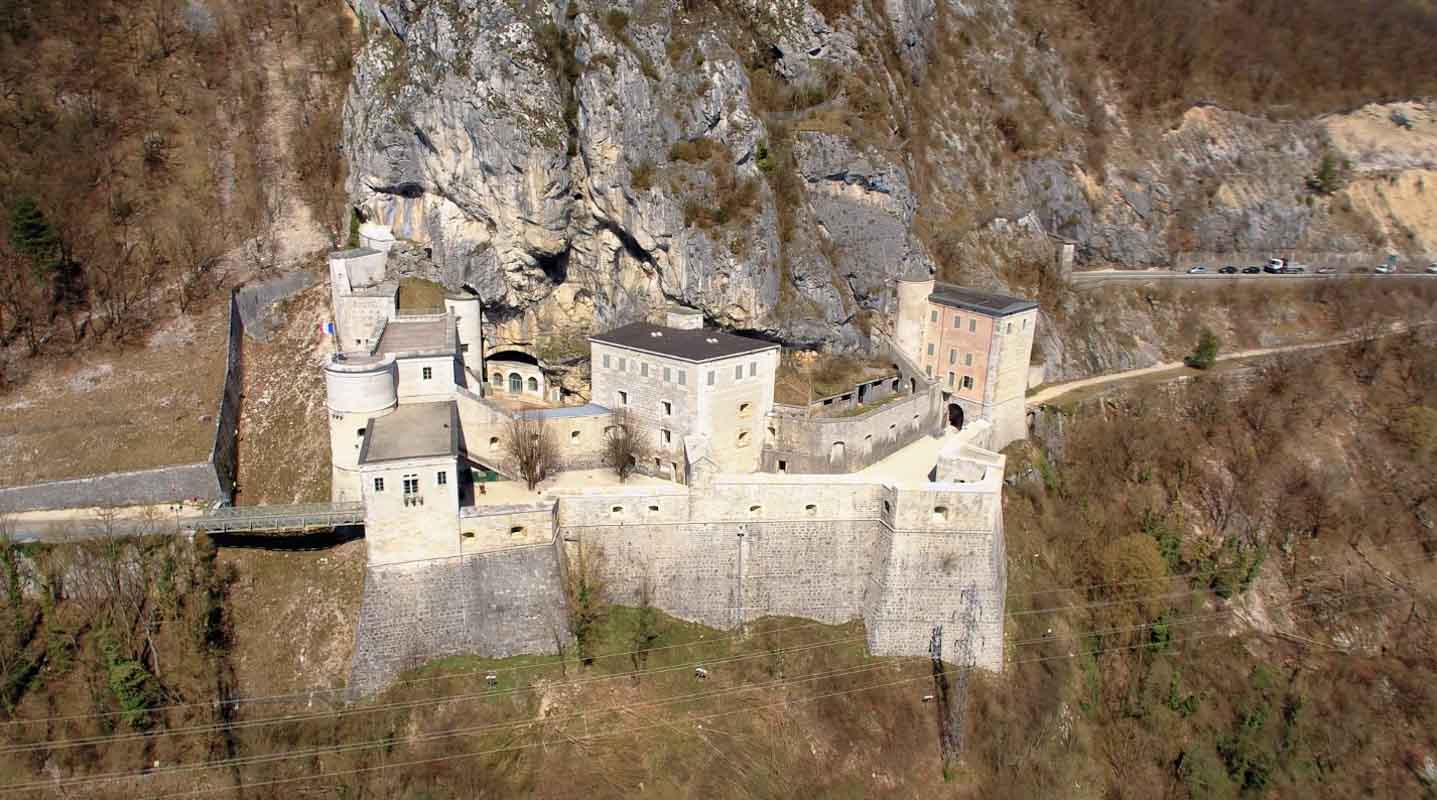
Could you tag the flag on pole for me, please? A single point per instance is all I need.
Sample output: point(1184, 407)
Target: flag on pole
point(329, 328)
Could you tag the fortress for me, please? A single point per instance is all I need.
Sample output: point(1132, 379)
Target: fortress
point(889, 510)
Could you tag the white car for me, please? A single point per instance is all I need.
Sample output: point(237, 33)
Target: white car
point(1432, 269)
point(1326, 270)
point(1198, 270)
point(1384, 269)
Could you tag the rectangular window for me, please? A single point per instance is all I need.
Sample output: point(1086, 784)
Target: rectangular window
point(967, 381)
point(378, 484)
point(957, 322)
point(967, 359)
point(428, 373)
point(1025, 324)
point(644, 368)
point(666, 436)
point(411, 490)
point(667, 375)
point(1010, 328)
point(623, 362)
point(931, 348)
point(950, 380)
point(953, 356)
point(683, 377)
point(442, 478)
point(738, 372)
point(711, 377)
point(752, 368)
point(929, 368)
point(606, 361)
point(623, 398)
point(668, 408)
point(973, 325)
point(935, 315)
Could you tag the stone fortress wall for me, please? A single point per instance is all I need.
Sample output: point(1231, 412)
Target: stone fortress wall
point(728, 550)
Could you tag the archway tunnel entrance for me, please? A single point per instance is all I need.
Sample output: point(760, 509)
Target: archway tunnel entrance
point(955, 416)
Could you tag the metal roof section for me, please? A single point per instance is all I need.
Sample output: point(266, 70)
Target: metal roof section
point(413, 430)
point(417, 335)
point(568, 412)
point(697, 346)
point(990, 303)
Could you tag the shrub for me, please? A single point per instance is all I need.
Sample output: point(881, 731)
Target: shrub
point(616, 21)
point(1206, 353)
point(1331, 175)
point(694, 151)
point(641, 176)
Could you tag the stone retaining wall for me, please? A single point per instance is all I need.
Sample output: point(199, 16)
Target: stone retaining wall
point(254, 302)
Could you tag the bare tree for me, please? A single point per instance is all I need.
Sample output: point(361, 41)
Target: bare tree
point(587, 594)
point(623, 446)
point(529, 444)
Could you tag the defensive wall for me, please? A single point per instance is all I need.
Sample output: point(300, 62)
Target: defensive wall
point(208, 481)
point(728, 550)
point(804, 444)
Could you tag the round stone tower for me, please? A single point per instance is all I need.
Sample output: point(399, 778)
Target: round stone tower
point(913, 291)
point(358, 389)
point(466, 311)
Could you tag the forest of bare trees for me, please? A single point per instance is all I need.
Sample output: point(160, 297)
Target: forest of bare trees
point(144, 141)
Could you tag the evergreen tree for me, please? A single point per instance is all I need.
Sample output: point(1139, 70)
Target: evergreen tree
point(34, 237)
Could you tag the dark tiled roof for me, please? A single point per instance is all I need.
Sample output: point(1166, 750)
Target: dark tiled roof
point(990, 303)
point(703, 344)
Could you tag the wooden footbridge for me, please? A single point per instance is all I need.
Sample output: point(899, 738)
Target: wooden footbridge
point(300, 518)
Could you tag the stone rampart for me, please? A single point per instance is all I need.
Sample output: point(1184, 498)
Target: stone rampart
point(496, 604)
point(829, 548)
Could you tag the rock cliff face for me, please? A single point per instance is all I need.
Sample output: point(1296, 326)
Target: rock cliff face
point(776, 163)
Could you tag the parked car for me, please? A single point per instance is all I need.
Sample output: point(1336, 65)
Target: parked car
point(1385, 269)
point(1326, 270)
point(1276, 266)
point(1251, 270)
point(1432, 269)
point(1228, 270)
point(1294, 269)
point(1198, 270)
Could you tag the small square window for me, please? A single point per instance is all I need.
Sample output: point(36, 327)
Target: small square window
point(623, 398)
point(442, 478)
point(668, 408)
point(967, 381)
point(378, 484)
point(782, 466)
point(359, 433)
point(428, 373)
point(711, 377)
point(743, 438)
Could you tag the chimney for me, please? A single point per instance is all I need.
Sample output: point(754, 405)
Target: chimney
point(684, 319)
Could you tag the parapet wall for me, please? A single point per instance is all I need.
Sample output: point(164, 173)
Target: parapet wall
point(838, 445)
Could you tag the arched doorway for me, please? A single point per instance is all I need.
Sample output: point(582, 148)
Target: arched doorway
point(516, 383)
point(955, 416)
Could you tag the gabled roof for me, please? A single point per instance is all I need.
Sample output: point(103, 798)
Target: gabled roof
point(989, 303)
point(698, 345)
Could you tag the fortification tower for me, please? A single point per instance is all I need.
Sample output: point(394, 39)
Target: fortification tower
point(467, 321)
point(913, 291)
point(359, 387)
point(1007, 385)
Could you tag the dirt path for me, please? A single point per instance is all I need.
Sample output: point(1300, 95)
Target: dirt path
point(1051, 393)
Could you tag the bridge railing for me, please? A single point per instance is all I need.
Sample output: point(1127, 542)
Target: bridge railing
point(259, 519)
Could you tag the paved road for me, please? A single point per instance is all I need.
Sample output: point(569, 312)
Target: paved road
point(1097, 277)
point(1050, 393)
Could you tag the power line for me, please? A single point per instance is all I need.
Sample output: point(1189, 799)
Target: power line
point(341, 748)
point(927, 676)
